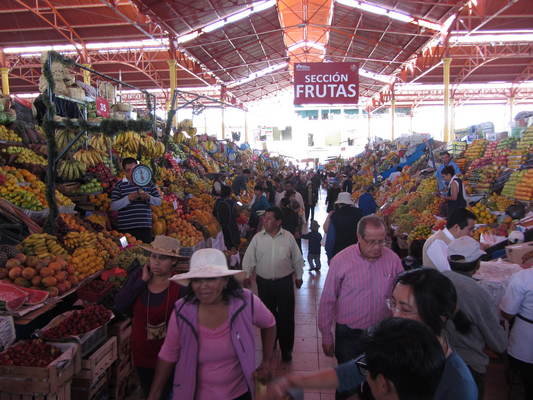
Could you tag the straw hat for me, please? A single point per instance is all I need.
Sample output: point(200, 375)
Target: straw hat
point(344, 198)
point(165, 245)
point(206, 263)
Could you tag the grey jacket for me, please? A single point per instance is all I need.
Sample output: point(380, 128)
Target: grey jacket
point(486, 330)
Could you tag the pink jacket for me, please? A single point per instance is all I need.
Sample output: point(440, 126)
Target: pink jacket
point(242, 336)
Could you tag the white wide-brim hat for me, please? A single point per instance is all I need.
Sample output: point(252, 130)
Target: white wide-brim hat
point(207, 263)
point(344, 198)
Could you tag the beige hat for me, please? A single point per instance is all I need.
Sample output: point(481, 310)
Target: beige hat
point(206, 263)
point(467, 247)
point(165, 245)
point(344, 198)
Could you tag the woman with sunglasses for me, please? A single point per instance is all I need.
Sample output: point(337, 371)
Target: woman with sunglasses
point(149, 297)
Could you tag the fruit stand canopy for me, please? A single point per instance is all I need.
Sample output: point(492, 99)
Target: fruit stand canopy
point(249, 48)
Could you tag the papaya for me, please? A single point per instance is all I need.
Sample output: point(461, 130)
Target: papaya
point(28, 273)
point(49, 281)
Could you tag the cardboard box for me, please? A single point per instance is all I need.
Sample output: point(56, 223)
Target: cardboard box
point(519, 253)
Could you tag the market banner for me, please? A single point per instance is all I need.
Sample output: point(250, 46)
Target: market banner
point(326, 83)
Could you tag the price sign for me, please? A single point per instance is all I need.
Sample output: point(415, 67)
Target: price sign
point(102, 107)
point(123, 242)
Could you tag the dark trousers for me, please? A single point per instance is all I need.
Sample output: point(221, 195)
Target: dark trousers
point(479, 378)
point(312, 211)
point(526, 374)
point(245, 396)
point(278, 296)
point(314, 261)
point(347, 347)
point(146, 377)
point(143, 234)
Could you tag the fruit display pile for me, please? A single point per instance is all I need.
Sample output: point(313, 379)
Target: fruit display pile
point(29, 353)
point(482, 213)
point(25, 155)
point(79, 322)
point(420, 232)
point(9, 135)
point(86, 261)
point(25, 190)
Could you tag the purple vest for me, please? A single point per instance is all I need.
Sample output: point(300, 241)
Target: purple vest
point(242, 337)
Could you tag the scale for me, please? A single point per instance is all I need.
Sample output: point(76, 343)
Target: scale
point(141, 175)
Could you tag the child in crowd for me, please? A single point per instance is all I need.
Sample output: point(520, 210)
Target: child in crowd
point(314, 248)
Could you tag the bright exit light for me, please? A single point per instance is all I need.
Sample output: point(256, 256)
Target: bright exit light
point(492, 38)
point(314, 45)
point(376, 77)
point(375, 9)
point(259, 74)
point(130, 45)
point(213, 26)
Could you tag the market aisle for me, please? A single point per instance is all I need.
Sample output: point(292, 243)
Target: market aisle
point(308, 355)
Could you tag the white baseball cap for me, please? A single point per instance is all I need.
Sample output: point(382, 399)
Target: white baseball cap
point(344, 198)
point(466, 247)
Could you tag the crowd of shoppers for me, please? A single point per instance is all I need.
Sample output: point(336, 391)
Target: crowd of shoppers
point(421, 333)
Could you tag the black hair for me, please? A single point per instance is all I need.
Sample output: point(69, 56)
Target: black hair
point(285, 202)
point(448, 170)
point(259, 187)
point(399, 169)
point(458, 264)
point(232, 289)
point(459, 216)
point(246, 171)
point(416, 248)
point(225, 191)
point(436, 299)
point(445, 153)
point(128, 161)
point(278, 215)
point(406, 353)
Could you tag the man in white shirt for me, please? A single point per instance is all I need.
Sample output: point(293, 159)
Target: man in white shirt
point(435, 251)
point(518, 302)
point(289, 187)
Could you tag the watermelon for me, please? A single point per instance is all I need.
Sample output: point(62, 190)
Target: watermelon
point(33, 296)
point(11, 297)
point(36, 296)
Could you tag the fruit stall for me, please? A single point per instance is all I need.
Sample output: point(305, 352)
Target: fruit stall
point(61, 257)
point(497, 176)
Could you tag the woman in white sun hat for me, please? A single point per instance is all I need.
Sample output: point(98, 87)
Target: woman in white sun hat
point(211, 337)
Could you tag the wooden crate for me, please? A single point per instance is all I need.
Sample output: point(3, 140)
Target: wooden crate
point(62, 393)
point(93, 366)
point(122, 330)
point(41, 381)
point(84, 389)
point(120, 371)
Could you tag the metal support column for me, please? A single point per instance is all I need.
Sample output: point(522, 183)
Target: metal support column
point(511, 111)
point(86, 74)
point(5, 80)
point(246, 127)
point(392, 115)
point(222, 97)
point(411, 118)
point(369, 114)
point(446, 78)
point(173, 81)
point(452, 119)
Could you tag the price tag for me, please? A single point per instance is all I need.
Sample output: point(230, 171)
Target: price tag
point(123, 242)
point(175, 204)
point(7, 332)
point(102, 107)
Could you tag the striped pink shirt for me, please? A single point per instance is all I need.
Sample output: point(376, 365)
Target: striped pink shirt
point(356, 289)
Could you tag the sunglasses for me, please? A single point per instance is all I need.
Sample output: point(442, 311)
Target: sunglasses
point(362, 366)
